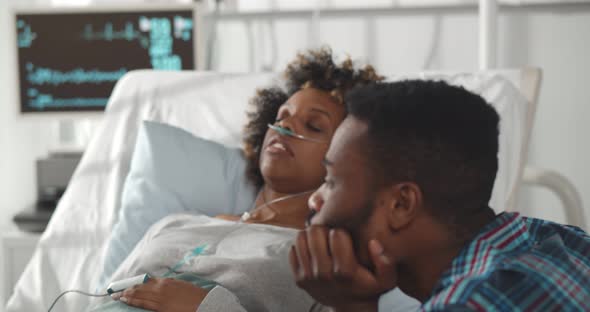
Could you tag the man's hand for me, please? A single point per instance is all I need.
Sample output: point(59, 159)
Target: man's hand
point(324, 264)
point(163, 295)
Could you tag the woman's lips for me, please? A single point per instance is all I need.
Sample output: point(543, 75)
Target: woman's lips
point(278, 146)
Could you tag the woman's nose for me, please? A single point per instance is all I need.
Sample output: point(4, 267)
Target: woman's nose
point(315, 201)
point(286, 124)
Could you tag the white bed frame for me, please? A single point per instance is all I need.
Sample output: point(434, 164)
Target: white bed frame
point(539, 177)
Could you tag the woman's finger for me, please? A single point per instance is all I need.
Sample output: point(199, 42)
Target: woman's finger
point(141, 303)
point(143, 291)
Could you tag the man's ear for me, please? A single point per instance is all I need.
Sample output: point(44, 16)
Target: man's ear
point(402, 202)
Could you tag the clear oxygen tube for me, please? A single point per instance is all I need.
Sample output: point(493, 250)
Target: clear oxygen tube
point(288, 132)
point(246, 215)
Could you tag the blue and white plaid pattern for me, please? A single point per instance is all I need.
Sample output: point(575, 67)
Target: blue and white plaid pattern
point(518, 264)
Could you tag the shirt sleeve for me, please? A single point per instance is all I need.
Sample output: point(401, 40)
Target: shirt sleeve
point(221, 299)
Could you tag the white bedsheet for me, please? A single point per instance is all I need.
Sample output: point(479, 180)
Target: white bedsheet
point(70, 252)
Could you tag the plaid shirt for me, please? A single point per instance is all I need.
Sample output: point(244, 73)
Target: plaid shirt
point(518, 264)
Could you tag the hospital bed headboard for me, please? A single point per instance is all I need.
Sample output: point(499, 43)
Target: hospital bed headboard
point(74, 243)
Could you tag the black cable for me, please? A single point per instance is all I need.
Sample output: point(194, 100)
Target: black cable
point(76, 291)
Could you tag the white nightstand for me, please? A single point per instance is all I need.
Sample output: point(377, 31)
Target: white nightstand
point(16, 250)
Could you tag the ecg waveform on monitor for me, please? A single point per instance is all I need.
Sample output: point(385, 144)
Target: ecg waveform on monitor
point(72, 61)
point(47, 76)
point(43, 101)
point(110, 34)
point(154, 34)
point(159, 28)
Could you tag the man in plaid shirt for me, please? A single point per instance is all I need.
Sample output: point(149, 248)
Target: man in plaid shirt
point(409, 176)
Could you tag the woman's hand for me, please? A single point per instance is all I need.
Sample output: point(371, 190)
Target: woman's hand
point(163, 295)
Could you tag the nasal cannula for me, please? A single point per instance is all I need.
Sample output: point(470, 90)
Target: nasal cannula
point(289, 132)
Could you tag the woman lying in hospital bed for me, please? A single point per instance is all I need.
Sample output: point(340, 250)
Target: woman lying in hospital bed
point(240, 262)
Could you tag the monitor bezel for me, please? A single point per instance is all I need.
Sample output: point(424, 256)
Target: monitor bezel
point(198, 42)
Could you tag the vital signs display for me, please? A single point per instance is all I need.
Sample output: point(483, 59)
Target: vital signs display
point(70, 61)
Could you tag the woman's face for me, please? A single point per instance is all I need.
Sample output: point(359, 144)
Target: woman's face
point(289, 164)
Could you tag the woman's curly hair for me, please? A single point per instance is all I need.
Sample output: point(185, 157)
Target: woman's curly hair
point(312, 69)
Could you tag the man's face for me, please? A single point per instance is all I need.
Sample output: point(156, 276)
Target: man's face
point(347, 198)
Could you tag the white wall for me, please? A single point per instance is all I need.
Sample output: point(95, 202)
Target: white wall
point(20, 143)
point(21, 140)
point(556, 41)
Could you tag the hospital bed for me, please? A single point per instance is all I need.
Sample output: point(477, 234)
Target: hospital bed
point(71, 252)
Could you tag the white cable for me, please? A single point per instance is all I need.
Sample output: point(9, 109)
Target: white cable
point(247, 215)
point(273, 41)
point(212, 37)
point(252, 50)
point(314, 27)
point(432, 52)
point(75, 291)
point(269, 67)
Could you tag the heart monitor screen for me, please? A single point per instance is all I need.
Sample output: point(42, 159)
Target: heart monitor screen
point(71, 61)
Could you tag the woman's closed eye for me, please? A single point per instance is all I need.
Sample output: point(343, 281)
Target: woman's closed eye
point(309, 125)
point(314, 128)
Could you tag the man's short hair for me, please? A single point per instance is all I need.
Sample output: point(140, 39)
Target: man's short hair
point(441, 137)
